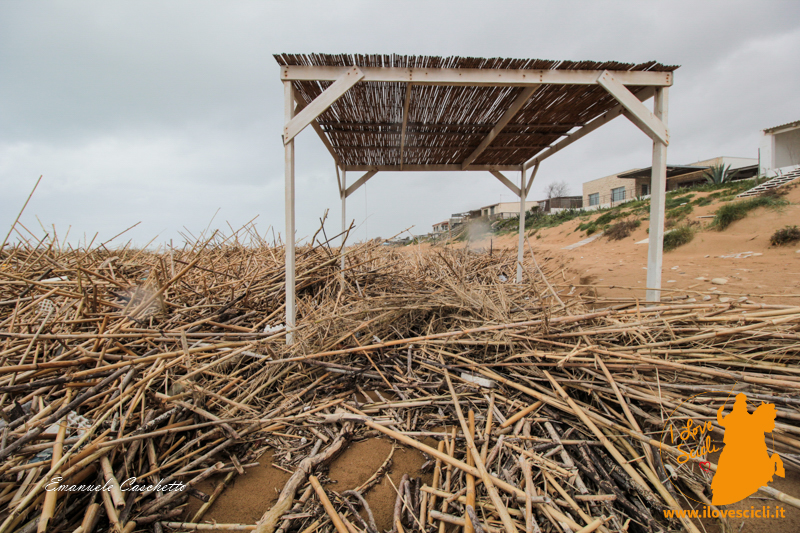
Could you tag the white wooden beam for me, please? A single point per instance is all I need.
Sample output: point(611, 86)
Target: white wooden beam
point(602, 120)
point(510, 113)
point(644, 119)
point(658, 194)
point(359, 182)
point(318, 129)
point(474, 76)
point(321, 103)
point(507, 182)
point(428, 168)
point(405, 123)
point(291, 310)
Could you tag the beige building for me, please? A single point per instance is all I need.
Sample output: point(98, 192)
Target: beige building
point(631, 184)
point(612, 190)
point(505, 209)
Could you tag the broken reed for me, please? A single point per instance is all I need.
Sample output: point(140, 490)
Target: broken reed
point(172, 366)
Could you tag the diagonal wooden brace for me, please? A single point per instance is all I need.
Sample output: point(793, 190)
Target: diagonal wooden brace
point(507, 182)
point(637, 112)
point(321, 103)
point(359, 182)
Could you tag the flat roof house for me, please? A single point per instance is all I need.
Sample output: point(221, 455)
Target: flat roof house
point(625, 186)
point(441, 227)
point(554, 205)
point(505, 209)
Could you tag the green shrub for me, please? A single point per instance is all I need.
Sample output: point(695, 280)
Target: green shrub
point(787, 235)
point(622, 229)
point(680, 212)
point(675, 201)
point(718, 174)
point(678, 237)
point(636, 206)
point(605, 218)
point(538, 219)
point(729, 187)
point(703, 201)
point(730, 213)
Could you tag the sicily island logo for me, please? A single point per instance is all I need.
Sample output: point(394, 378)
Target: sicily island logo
point(744, 464)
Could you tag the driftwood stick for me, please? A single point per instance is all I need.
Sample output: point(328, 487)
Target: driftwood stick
point(269, 521)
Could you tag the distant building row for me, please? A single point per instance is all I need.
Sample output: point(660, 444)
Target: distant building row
point(779, 153)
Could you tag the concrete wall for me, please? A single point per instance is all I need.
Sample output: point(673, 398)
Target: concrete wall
point(734, 162)
point(787, 149)
point(779, 149)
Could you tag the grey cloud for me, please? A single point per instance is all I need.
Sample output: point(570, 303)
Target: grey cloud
point(165, 112)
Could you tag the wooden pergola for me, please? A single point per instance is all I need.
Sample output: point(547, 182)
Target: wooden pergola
point(391, 113)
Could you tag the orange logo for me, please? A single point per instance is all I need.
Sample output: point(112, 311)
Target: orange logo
point(744, 465)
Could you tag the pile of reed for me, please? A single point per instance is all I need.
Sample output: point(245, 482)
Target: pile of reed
point(171, 366)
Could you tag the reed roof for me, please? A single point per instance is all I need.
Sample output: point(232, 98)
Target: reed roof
point(446, 123)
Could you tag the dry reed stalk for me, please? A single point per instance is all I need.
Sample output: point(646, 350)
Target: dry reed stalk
point(166, 376)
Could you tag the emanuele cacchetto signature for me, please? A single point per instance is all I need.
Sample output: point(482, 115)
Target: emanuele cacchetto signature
point(127, 485)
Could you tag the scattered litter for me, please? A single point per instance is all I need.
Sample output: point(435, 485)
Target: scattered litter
point(741, 255)
point(584, 241)
point(483, 382)
point(645, 241)
point(719, 281)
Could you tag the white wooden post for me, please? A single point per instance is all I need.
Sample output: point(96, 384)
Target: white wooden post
point(344, 213)
point(658, 192)
point(291, 310)
point(521, 244)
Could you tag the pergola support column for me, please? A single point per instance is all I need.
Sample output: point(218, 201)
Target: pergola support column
point(658, 192)
point(521, 244)
point(524, 189)
point(343, 196)
point(291, 311)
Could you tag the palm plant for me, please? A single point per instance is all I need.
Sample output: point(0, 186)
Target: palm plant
point(719, 174)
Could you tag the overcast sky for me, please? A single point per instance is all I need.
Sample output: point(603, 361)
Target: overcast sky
point(165, 112)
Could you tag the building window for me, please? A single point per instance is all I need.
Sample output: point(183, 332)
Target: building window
point(618, 194)
point(645, 189)
point(594, 199)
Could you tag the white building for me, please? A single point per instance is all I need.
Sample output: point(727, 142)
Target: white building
point(779, 150)
point(441, 227)
point(505, 209)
